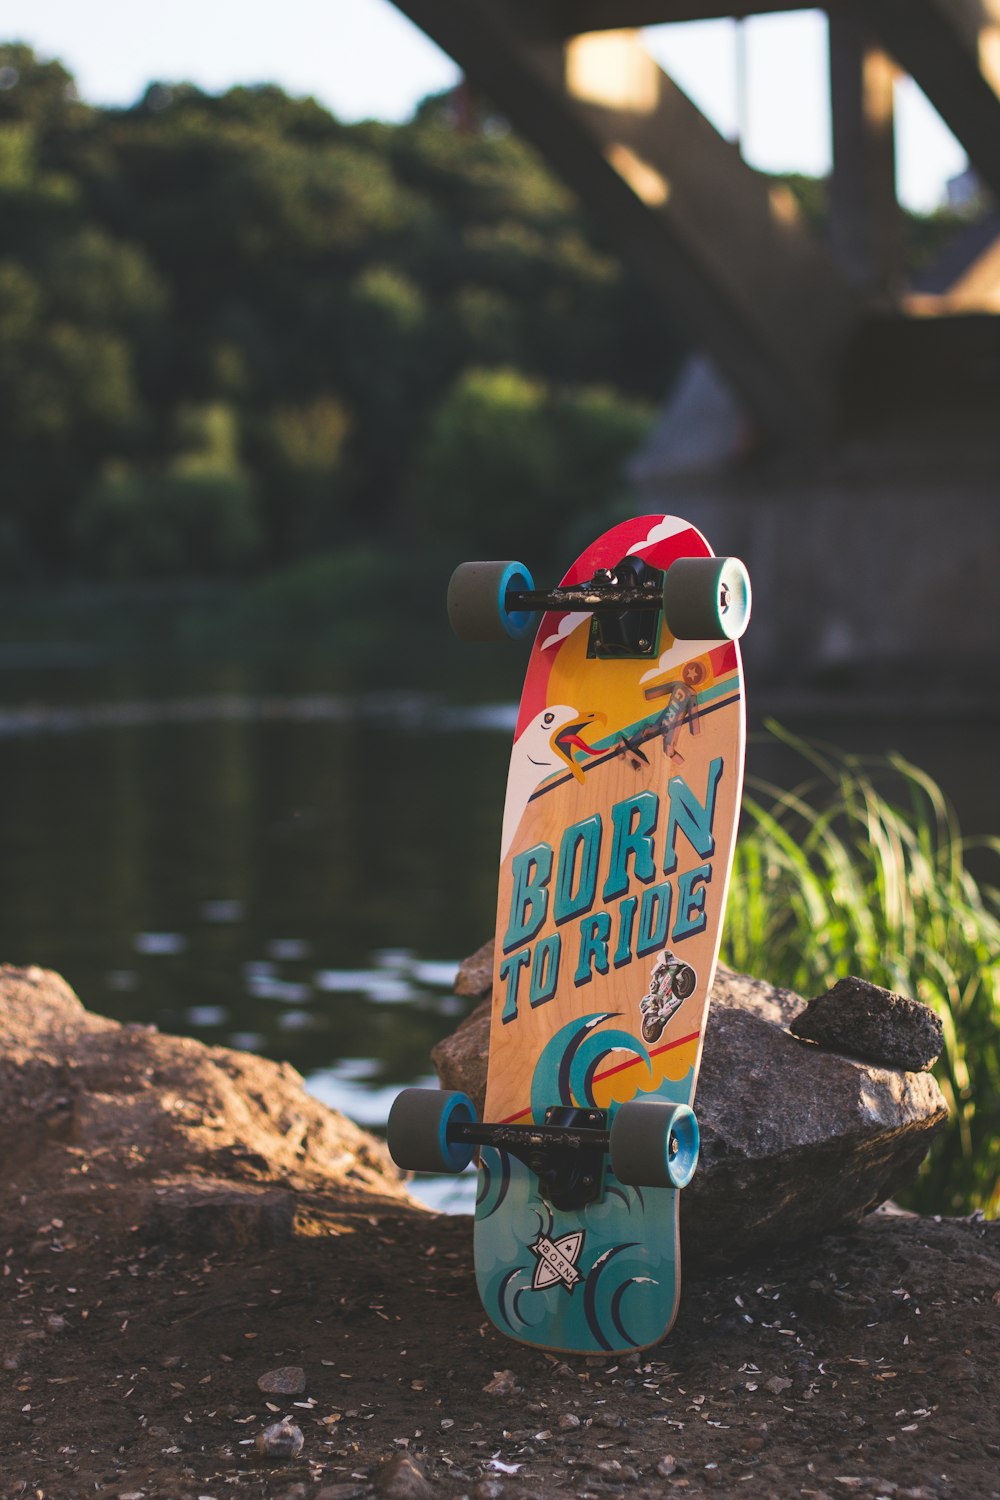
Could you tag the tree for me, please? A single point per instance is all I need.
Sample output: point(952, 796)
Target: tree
point(506, 456)
point(364, 313)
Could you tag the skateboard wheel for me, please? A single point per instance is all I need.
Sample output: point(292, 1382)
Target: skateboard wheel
point(417, 1131)
point(706, 598)
point(654, 1143)
point(477, 601)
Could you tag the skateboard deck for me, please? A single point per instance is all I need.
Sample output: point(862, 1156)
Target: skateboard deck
point(618, 830)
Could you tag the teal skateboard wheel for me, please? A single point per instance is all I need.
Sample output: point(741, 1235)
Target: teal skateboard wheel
point(706, 598)
point(477, 601)
point(417, 1130)
point(654, 1143)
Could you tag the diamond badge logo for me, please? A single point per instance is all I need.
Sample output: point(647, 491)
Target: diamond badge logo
point(557, 1260)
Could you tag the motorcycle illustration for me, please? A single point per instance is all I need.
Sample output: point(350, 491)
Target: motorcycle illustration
point(670, 983)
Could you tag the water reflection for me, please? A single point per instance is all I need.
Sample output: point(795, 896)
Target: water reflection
point(283, 873)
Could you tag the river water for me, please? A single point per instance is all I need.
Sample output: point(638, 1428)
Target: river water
point(293, 860)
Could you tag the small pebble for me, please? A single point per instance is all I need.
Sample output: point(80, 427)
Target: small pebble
point(289, 1380)
point(666, 1466)
point(280, 1440)
point(56, 1323)
point(568, 1421)
point(610, 1420)
point(489, 1489)
point(402, 1477)
point(504, 1383)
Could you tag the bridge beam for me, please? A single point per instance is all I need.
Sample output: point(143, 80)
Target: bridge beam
point(560, 19)
point(722, 248)
point(951, 48)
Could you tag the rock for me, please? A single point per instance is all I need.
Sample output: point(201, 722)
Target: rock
point(280, 1440)
point(208, 1147)
point(862, 1020)
point(289, 1380)
point(614, 1470)
point(207, 1216)
point(504, 1383)
point(475, 975)
point(610, 1420)
point(795, 1140)
point(403, 1477)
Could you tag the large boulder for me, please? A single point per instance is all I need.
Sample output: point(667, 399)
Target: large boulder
point(796, 1140)
point(162, 1135)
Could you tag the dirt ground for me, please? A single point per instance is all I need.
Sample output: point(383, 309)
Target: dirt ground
point(134, 1340)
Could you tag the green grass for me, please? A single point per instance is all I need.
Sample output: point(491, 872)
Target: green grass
point(862, 870)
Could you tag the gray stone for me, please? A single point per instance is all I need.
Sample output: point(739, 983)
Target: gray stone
point(795, 1141)
point(289, 1380)
point(861, 1020)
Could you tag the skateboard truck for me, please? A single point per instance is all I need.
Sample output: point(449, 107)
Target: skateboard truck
point(698, 598)
point(648, 1142)
point(624, 603)
point(567, 1153)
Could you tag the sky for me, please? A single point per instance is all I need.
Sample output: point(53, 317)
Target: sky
point(364, 59)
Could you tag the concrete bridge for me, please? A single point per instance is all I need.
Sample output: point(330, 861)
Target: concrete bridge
point(841, 431)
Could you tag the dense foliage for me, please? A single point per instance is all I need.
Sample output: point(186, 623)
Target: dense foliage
point(234, 330)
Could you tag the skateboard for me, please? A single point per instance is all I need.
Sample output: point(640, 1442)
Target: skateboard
point(619, 823)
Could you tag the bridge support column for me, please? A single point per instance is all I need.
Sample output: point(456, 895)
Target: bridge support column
point(864, 214)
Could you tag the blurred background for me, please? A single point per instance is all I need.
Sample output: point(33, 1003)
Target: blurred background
point(300, 309)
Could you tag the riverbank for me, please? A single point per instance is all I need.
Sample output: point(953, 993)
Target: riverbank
point(183, 1222)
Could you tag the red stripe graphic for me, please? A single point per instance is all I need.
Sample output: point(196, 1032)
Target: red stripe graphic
point(618, 1068)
